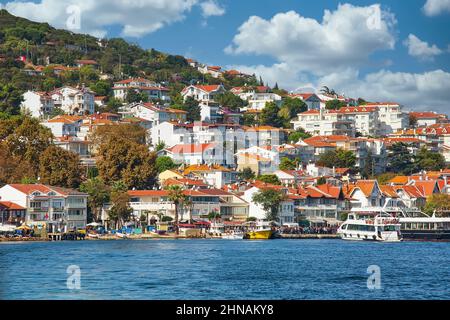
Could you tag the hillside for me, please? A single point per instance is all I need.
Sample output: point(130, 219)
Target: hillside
point(43, 45)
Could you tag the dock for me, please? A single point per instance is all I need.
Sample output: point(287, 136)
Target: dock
point(309, 236)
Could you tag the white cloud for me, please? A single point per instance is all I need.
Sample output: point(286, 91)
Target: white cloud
point(436, 7)
point(345, 37)
point(421, 49)
point(421, 91)
point(136, 18)
point(212, 8)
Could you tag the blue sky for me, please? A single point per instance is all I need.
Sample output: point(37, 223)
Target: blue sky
point(406, 58)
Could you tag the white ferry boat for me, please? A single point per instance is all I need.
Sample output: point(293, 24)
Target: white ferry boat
point(383, 227)
point(415, 225)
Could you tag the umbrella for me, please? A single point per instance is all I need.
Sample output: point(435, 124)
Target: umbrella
point(24, 227)
point(94, 224)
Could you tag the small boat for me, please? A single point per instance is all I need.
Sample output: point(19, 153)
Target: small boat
point(121, 235)
point(233, 235)
point(383, 228)
point(262, 231)
point(93, 235)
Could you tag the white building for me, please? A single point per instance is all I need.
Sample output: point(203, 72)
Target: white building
point(152, 89)
point(210, 112)
point(428, 118)
point(257, 97)
point(53, 207)
point(203, 93)
point(192, 154)
point(324, 123)
point(390, 116)
point(286, 210)
point(73, 100)
point(153, 113)
point(37, 104)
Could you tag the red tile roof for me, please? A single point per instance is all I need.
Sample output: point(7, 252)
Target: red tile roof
point(190, 148)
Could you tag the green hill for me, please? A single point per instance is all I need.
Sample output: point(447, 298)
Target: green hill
point(41, 43)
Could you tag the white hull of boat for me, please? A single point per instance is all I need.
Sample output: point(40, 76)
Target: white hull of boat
point(233, 236)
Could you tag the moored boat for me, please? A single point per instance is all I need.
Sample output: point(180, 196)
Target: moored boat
point(261, 231)
point(233, 235)
point(383, 227)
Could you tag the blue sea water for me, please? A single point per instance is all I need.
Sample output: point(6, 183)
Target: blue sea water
point(220, 269)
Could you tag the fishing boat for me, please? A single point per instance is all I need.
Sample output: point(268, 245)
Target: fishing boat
point(233, 235)
point(260, 231)
point(383, 228)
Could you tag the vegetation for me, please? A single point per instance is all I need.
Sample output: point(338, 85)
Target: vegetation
point(334, 104)
point(298, 135)
point(269, 178)
point(270, 201)
point(164, 163)
point(439, 204)
point(177, 196)
point(339, 158)
point(247, 174)
point(99, 193)
point(288, 164)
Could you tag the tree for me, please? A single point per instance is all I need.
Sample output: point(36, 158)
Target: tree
point(429, 161)
point(412, 120)
point(400, 159)
point(321, 181)
point(290, 109)
point(160, 146)
point(192, 107)
point(135, 96)
point(127, 161)
point(247, 174)
point(439, 203)
point(385, 178)
point(368, 170)
point(334, 104)
point(120, 211)
point(177, 196)
point(59, 167)
point(270, 201)
point(269, 178)
point(269, 115)
point(164, 163)
point(99, 194)
point(130, 132)
point(101, 88)
point(10, 99)
point(288, 164)
point(298, 135)
point(230, 101)
point(337, 158)
point(28, 141)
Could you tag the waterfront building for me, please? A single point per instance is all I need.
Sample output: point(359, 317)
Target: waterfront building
point(54, 207)
point(153, 90)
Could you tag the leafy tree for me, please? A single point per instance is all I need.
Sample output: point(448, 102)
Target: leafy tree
point(28, 141)
point(385, 177)
point(429, 161)
point(127, 161)
point(192, 107)
point(368, 170)
point(439, 203)
point(59, 167)
point(10, 99)
point(177, 196)
point(334, 104)
point(361, 102)
point(249, 119)
point(231, 101)
point(99, 194)
point(400, 159)
point(130, 132)
point(164, 163)
point(298, 135)
point(269, 178)
point(270, 200)
point(101, 88)
point(120, 211)
point(135, 96)
point(214, 216)
point(160, 146)
point(247, 174)
point(288, 164)
point(290, 108)
point(412, 120)
point(321, 181)
point(269, 115)
point(339, 158)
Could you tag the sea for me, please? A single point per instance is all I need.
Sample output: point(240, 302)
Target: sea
point(224, 270)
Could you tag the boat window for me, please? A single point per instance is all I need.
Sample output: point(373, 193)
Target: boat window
point(389, 228)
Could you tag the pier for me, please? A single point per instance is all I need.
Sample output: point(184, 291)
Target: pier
point(309, 236)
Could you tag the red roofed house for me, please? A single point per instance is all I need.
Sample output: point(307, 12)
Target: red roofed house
point(311, 100)
point(203, 93)
point(12, 213)
point(428, 118)
point(193, 154)
point(141, 85)
point(257, 97)
point(53, 207)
